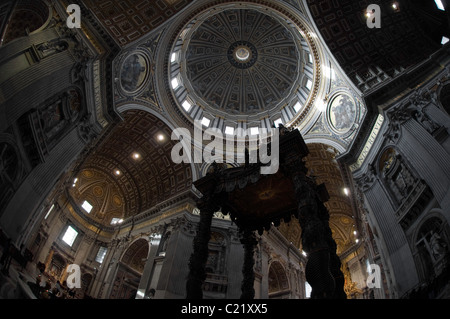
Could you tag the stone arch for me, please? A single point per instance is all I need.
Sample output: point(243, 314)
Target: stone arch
point(205, 167)
point(102, 192)
point(130, 269)
point(136, 254)
point(279, 285)
point(326, 141)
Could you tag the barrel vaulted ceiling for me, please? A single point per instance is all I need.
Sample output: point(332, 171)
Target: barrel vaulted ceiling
point(131, 171)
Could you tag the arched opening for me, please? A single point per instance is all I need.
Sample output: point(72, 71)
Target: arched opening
point(131, 267)
point(56, 267)
point(136, 155)
point(278, 282)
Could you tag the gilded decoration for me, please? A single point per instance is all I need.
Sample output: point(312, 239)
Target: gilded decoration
point(101, 192)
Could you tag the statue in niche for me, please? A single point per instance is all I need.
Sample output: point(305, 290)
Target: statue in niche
point(85, 131)
point(397, 175)
point(398, 195)
point(74, 104)
point(403, 181)
point(401, 185)
point(388, 163)
point(437, 245)
point(165, 243)
point(211, 263)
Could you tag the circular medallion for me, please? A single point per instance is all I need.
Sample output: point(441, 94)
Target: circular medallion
point(88, 174)
point(117, 200)
point(242, 54)
point(342, 113)
point(134, 72)
point(98, 191)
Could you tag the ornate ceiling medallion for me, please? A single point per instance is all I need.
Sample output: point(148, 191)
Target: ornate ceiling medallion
point(134, 73)
point(242, 54)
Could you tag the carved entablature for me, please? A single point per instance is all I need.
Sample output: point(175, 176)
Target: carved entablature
point(415, 107)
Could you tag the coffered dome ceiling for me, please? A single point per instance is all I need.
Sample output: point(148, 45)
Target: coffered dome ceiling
point(250, 50)
point(241, 66)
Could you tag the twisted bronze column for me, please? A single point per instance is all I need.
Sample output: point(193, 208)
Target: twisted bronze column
point(249, 241)
point(199, 257)
point(315, 235)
